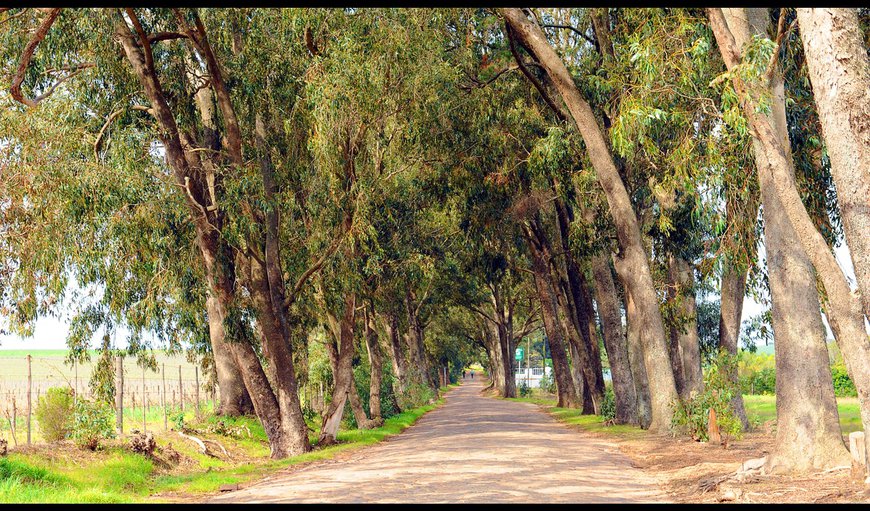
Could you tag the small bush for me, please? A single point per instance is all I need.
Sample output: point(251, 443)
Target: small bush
point(843, 385)
point(608, 407)
point(417, 394)
point(178, 421)
point(548, 383)
point(53, 413)
point(524, 389)
point(691, 416)
point(92, 422)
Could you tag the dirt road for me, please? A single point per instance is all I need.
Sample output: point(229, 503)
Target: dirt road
point(471, 449)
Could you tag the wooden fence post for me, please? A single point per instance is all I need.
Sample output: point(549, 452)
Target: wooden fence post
point(144, 403)
point(165, 422)
point(196, 381)
point(29, 403)
point(180, 389)
point(119, 393)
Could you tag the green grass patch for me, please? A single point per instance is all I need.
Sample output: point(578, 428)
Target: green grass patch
point(573, 416)
point(760, 409)
point(117, 475)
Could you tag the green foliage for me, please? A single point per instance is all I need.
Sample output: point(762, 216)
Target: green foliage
point(761, 382)
point(692, 415)
point(177, 420)
point(608, 406)
point(53, 413)
point(843, 384)
point(92, 422)
point(417, 394)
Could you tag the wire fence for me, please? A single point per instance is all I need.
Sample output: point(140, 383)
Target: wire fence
point(144, 399)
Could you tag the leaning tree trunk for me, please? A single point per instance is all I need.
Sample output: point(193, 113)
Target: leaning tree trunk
point(771, 145)
point(624, 393)
point(376, 363)
point(566, 393)
point(808, 429)
point(343, 375)
point(234, 397)
point(578, 309)
point(687, 339)
point(839, 70)
point(420, 369)
point(633, 258)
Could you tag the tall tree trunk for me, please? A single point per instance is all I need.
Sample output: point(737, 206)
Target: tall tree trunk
point(503, 333)
point(773, 157)
point(496, 369)
point(808, 429)
point(397, 354)
point(638, 368)
point(579, 310)
point(624, 393)
point(579, 381)
point(342, 375)
point(376, 363)
point(234, 397)
point(633, 258)
point(420, 369)
point(566, 393)
point(839, 70)
point(682, 275)
point(732, 291)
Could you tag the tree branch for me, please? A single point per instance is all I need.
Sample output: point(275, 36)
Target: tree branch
point(576, 30)
point(27, 55)
point(561, 114)
point(143, 39)
point(781, 32)
point(166, 36)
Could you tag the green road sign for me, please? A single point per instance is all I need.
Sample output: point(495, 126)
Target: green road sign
point(519, 354)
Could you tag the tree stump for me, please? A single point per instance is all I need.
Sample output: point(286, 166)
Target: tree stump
point(858, 450)
point(713, 435)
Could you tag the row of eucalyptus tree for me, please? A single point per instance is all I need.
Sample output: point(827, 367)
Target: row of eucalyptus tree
point(425, 185)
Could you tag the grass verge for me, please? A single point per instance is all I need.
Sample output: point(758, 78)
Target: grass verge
point(759, 409)
point(61, 472)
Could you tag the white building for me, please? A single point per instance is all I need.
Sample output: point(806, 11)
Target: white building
point(531, 376)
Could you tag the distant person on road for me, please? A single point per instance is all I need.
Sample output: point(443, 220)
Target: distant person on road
point(463, 375)
point(472, 374)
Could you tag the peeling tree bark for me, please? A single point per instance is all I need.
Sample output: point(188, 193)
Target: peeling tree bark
point(839, 70)
point(808, 429)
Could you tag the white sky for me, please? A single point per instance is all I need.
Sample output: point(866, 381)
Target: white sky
point(51, 332)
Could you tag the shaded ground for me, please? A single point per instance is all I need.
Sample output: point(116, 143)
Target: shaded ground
point(472, 449)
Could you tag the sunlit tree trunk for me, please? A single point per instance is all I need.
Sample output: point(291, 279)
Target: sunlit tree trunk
point(839, 70)
point(808, 429)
